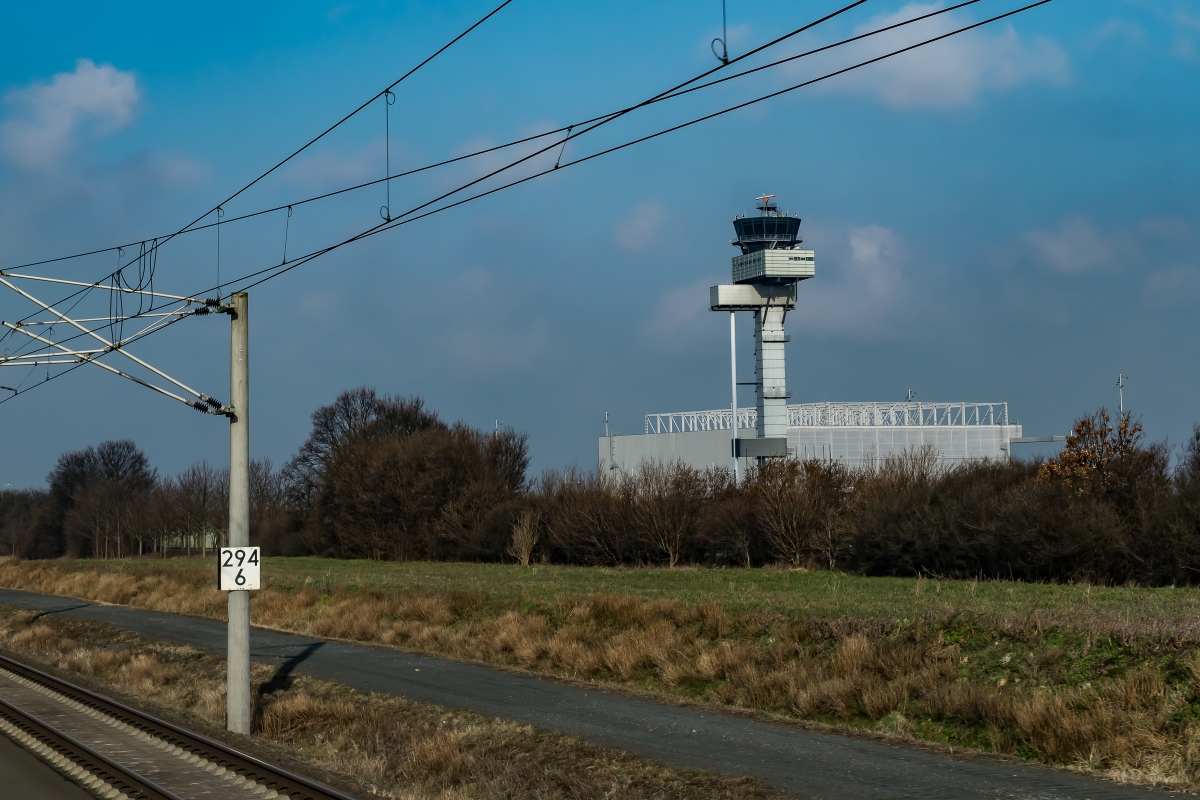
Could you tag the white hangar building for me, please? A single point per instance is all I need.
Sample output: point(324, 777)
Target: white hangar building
point(853, 433)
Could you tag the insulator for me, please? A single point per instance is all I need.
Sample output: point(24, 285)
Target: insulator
point(200, 407)
point(212, 302)
point(213, 402)
point(200, 312)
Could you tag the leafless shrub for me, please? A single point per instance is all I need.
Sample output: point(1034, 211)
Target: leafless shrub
point(801, 507)
point(526, 532)
point(666, 501)
point(589, 517)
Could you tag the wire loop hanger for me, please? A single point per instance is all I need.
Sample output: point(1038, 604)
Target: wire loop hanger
point(389, 100)
point(564, 147)
point(722, 56)
point(287, 225)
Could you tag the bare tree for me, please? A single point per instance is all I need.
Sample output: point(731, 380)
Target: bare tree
point(526, 532)
point(588, 516)
point(203, 494)
point(800, 506)
point(18, 511)
point(109, 496)
point(667, 499)
point(163, 515)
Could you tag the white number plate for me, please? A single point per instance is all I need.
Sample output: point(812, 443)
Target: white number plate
point(239, 569)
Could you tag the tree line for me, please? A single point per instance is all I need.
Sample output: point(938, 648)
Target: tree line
point(1108, 509)
point(379, 477)
point(383, 477)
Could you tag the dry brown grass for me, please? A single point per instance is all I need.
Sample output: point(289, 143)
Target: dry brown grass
point(391, 747)
point(1085, 696)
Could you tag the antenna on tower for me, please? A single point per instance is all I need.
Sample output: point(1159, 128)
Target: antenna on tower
point(1122, 379)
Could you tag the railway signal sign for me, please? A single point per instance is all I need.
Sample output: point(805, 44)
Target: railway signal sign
point(239, 569)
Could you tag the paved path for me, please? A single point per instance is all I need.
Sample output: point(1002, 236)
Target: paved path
point(800, 763)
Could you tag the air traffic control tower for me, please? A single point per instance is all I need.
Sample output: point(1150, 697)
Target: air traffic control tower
point(765, 277)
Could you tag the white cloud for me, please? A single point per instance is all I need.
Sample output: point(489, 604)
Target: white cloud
point(500, 334)
point(1117, 28)
point(335, 14)
point(854, 292)
point(485, 164)
point(681, 315)
point(1174, 287)
point(340, 168)
point(952, 72)
point(1186, 20)
point(47, 115)
point(1075, 246)
point(638, 230)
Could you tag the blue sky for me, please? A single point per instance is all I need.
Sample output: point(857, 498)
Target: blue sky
point(1008, 215)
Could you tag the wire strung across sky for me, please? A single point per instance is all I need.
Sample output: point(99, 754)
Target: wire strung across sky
point(269, 273)
point(592, 124)
point(596, 121)
point(274, 271)
point(162, 240)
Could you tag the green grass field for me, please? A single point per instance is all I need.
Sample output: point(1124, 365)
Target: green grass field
point(1155, 612)
point(1105, 679)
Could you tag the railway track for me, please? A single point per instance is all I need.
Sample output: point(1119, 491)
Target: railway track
point(120, 752)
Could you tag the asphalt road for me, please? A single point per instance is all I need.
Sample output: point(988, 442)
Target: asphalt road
point(27, 777)
point(800, 763)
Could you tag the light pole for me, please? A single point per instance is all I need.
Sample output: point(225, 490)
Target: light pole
point(608, 438)
point(737, 478)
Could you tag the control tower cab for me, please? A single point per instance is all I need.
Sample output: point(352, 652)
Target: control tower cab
point(770, 245)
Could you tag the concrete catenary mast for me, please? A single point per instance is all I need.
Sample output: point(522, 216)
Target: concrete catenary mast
point(765, 276)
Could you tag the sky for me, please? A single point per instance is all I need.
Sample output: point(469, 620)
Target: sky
point(1010, 214)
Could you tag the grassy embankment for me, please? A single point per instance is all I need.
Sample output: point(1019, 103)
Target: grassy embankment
point(1101, 679)
point(387, 746)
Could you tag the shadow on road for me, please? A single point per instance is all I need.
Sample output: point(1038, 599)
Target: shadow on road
point(282, 679)
point(63, 610)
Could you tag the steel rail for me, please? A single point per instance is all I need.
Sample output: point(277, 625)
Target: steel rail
point(101, 767)
point(287, 784)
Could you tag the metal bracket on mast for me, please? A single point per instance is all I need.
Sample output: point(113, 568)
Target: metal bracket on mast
point(54, 353)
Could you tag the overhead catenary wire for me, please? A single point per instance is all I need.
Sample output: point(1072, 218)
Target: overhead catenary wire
point(664, 95)
point(601, 119)
point(275, 167)
point(294, 153)
point(275, 271)
point(566, 128)
point(595, 123)
point(270, 273)
point(402, 221)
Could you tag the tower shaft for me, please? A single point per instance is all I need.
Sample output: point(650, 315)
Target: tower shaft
point(769, 370)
